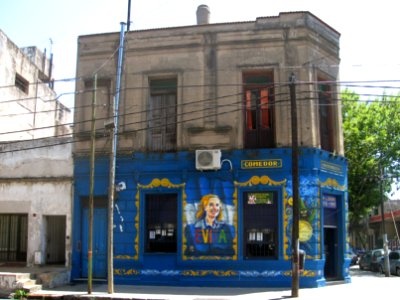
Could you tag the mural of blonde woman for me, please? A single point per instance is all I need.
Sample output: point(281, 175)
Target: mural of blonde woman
point(209, 235)
point(209, 213)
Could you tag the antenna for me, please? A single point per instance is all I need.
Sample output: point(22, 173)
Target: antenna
point(51, 82)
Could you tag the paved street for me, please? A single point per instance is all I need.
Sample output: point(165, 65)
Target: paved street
point(365, 285)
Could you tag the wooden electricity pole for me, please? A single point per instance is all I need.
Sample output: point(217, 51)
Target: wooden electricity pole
point(91, 188)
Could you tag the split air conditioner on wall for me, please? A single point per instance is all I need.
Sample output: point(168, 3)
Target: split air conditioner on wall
point(208, 159)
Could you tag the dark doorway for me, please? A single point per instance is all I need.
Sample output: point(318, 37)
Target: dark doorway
point(330, 236)
point(330, 245)
point(55, 239)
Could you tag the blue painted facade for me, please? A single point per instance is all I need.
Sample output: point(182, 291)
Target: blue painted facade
point(323, 188)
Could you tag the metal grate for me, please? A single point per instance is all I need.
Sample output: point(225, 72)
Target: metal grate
point(260, 224)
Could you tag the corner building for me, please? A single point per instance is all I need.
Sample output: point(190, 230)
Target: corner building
point(203, 175)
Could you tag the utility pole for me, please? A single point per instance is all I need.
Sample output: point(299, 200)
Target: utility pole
point(91, 188)
point(128, 21)
point(113, 159)
point(295, 185)
point(384, 235)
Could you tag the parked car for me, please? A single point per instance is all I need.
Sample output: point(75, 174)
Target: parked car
point(365, 261)
point(377, 254)
point(394, 263)
point(371, 260)
point(354, 257)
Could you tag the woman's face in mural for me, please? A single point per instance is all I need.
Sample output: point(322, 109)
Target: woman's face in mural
point(213, 208)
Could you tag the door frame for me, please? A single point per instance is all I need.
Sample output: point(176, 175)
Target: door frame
point(340, 234)
point(99, 203)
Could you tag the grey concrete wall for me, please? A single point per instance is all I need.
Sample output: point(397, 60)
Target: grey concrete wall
point(23, 112)
point(38, 182)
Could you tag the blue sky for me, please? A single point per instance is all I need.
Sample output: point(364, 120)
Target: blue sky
point(369, 44)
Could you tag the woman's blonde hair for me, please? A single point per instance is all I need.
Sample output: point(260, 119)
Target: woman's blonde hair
point(202, 205)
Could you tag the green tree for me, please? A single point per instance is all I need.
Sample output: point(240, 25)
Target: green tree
point(372, 142)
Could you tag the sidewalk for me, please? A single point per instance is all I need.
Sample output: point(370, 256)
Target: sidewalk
point(364, 285)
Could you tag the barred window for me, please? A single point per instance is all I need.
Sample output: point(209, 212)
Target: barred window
point(161, 222)
point(260, 224)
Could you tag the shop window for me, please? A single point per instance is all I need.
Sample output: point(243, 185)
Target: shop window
point(22, 83)
point(161, 223)
point(325, 106)
point(162, 115)
point(259, 110)
point(260, 225)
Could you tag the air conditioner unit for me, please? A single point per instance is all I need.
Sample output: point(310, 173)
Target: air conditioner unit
point(208, 159)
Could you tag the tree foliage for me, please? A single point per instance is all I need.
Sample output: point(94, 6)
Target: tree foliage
point(372, 144)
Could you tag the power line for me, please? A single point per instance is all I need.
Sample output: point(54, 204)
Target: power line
point(202, 101)
point(78, 136)
point(355, 83)
point(193, 102)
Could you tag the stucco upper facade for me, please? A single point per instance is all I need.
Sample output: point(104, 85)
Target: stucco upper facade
point(209, 63)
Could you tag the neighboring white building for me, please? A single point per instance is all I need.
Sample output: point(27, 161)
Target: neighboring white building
point(35, 201)
point(35, 160)
point(29, 107)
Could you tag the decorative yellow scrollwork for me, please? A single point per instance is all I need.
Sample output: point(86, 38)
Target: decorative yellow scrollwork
point(164, 182)
point(256, 180)
point(217, 273)
point(333, 183)
point(125, 257)
point(124, 272)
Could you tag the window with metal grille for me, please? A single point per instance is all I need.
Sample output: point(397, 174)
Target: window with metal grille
point(162, 115)
point(161, 223)
point(13, 237)
point(259, 110)
point(260, 225)
point(22, 83)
